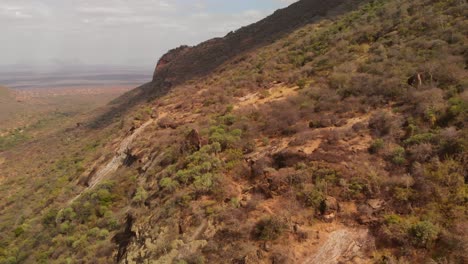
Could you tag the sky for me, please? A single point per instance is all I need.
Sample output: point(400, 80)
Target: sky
point(133, 33)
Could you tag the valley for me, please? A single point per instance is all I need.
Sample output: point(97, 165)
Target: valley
point(328, 132)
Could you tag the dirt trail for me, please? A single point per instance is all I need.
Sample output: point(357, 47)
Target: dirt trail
point(276, 93)
point(341, 245)
point(117, 161)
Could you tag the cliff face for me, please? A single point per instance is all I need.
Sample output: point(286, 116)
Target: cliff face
point(185, 63)
point(169, 57)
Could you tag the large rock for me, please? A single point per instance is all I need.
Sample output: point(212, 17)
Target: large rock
point(329, 208)
point(169, 57)
point(376, 204)
point(193, 139)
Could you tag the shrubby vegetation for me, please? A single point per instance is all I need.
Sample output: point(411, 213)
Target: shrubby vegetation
point(403, 62)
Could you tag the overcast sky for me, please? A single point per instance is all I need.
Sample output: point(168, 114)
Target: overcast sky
point(116, 32)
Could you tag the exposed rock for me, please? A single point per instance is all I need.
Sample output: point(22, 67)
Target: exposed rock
point(130, 158)
point(367, 219)
point(267, 246)
point(365, 216)
point(418, 79)
point(343, 246)
point(169, 57)
point(329, 209)
point(154, 113)
point(376, 204)
point(259, 167)
point(329, 205)
point(329, 217)
point(192, 142)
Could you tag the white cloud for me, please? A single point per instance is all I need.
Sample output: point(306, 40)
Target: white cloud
point(117, 31)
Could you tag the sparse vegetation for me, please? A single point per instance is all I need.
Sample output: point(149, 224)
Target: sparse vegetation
point(377, 126)
point(269, 229)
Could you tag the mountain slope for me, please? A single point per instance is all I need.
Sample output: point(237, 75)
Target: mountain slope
point(188, 63)
point(344, 141)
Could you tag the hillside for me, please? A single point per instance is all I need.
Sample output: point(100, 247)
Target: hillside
point(330, 132)
point(189, 63)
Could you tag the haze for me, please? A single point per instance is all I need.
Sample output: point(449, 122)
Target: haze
point(51, 34)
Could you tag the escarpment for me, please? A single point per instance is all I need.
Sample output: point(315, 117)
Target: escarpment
point(185, 63)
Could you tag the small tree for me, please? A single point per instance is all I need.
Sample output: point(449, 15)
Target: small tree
point(424, 233)
point(269, 229)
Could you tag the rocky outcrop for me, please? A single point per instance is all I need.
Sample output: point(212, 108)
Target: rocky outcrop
point(345, 245)
point(169, 57)
point(192, 142)
point(329, 209)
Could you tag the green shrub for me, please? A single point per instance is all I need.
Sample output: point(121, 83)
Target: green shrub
point(269, 229)
point(402, 194)
point(103, 234)
point(356, 187)
point(376, 146)
point(104, 196)
point(398, 156)
point(226, 138)
point(140, 196)
point(204, 183)
point(168, 184)
point(67, 214)
point(420, 138)
point(313, 198)
point(18, 231)
point(424, 233)
point(49, 218)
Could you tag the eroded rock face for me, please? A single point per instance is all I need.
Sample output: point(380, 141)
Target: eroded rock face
point(345, 245)
point(169, 57)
